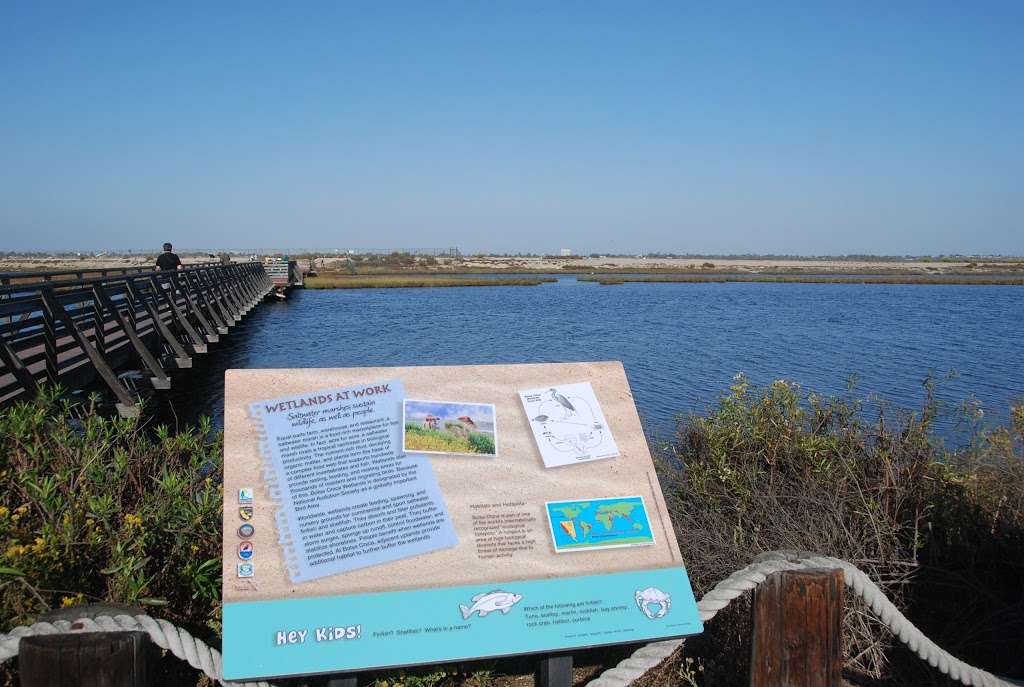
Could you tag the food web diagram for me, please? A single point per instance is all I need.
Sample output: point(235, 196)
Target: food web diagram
point(567, 419)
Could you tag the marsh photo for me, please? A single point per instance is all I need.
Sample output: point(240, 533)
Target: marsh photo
point(449, 427)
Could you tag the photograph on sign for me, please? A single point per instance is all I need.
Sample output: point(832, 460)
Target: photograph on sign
point(568, 425)
point(606, 523)
point(353, 551)
point(449, 427)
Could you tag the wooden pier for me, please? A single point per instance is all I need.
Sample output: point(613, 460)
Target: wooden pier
point(283, 273)
point(75, 327)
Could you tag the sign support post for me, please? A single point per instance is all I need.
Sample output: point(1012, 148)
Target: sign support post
point(554, 670)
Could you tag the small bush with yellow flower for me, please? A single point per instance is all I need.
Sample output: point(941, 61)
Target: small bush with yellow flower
point(107, 509)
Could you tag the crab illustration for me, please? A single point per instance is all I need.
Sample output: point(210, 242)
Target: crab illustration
point(652, 596)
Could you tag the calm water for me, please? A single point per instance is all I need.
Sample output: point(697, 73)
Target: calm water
point(681, 343)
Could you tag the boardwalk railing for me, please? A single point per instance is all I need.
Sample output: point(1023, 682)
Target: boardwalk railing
point(73, 327)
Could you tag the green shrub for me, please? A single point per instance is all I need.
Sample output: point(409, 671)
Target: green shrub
point(103, 509)
point(773, 468)
point(481, 443)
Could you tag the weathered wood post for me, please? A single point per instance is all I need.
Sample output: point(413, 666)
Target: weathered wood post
point(797, 639)
point(89, 659)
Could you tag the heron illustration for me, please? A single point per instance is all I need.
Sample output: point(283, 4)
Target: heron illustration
point(562, 401)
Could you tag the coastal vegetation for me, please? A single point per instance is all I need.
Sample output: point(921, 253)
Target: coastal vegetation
point(802, 279)
point(99, 508)
point(105, 509)
point(994, 271)
point(454, 265)
point(941, 530)
point(418, 438)
point(339, 281)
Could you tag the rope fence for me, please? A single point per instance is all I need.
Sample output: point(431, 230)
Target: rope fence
point(200, 656)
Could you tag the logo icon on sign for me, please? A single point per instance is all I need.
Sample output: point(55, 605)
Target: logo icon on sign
point(245, 550)
point(246, 570)
point(246, 531)
point(245, 495)
point(245, 512)
point(653, 602)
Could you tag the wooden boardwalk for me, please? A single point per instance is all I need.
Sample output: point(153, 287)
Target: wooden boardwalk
point(75, 327)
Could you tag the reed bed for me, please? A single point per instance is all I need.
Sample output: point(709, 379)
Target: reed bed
point(339, 281)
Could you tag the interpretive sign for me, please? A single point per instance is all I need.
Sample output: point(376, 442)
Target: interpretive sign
point(373, 529)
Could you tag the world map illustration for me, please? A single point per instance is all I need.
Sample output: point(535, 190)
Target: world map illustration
point(599, 523)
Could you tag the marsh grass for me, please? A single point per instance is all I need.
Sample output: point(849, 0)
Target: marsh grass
point(799, 279)
point(419, 439)
point(338, 281)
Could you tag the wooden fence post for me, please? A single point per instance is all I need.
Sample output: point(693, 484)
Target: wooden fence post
point(88, 659)
point(797, 639)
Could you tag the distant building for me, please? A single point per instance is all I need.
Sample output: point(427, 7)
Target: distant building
point(566, 252)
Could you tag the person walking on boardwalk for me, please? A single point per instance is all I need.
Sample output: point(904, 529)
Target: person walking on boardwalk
point(168, 260)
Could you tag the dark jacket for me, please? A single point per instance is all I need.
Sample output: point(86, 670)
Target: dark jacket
point(168, 261)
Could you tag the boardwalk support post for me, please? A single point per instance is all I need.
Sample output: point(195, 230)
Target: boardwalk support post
point(181, 357)
point(798, 617)
point(12, 362)
point(159, 380)
point(127, 406)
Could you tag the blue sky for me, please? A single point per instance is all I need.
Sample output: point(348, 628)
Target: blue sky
point(817, 128)
point(482, 415)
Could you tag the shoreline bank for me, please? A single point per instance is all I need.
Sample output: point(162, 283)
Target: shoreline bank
point(337, 281)
point(417, 265)
point(800, 279)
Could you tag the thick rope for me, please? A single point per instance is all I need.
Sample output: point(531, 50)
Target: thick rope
point(200, 656)
point(742, 581)
point(165, 635)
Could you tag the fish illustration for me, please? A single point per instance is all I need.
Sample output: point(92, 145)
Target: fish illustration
point(487, 602)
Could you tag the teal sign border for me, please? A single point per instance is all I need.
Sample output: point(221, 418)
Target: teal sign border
point(278, 638)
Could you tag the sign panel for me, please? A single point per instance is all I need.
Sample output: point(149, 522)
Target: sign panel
point(346, 550)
